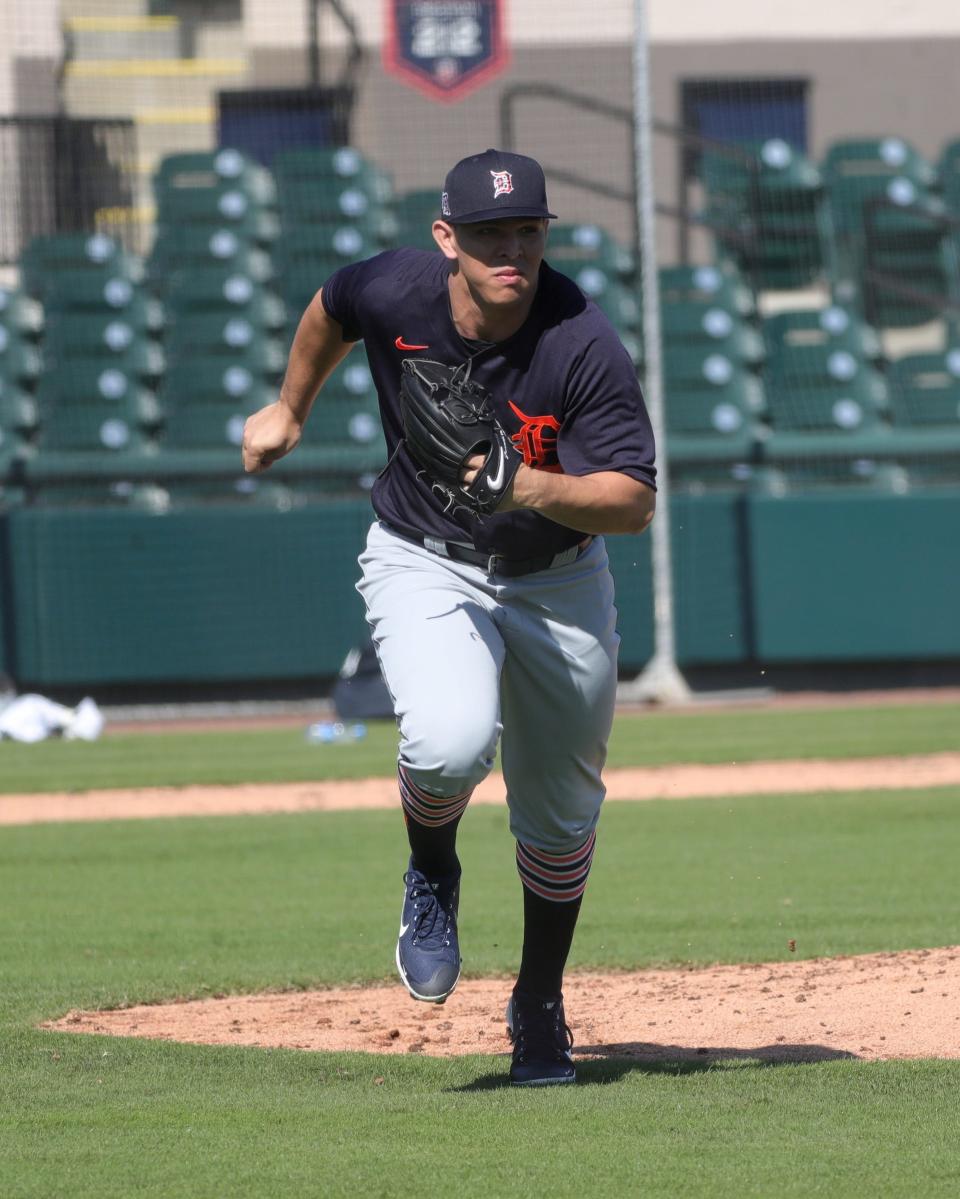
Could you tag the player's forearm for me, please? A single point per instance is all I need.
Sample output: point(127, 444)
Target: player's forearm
point(605, 502)
point(317, 348)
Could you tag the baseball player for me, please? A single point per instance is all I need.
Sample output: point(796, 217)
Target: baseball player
point(489, 595)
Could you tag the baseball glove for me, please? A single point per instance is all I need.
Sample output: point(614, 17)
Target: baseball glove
point(447, 418)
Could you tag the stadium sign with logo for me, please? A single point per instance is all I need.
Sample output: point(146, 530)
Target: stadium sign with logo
point(444, 48)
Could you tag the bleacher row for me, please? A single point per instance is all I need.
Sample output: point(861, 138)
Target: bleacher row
point(118, 373)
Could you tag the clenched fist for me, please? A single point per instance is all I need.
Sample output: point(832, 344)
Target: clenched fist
point(268, 435)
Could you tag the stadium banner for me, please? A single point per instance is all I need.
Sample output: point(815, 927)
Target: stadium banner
point(444, 48)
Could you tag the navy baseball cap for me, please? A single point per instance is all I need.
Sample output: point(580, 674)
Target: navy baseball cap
point(492, 186)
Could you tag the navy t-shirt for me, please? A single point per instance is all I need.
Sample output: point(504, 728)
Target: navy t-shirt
point(563, 386)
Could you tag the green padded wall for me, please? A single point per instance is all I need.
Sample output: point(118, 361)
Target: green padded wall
point(845, 576)
point(6, 615)
point(712, 607)
point(210, 594)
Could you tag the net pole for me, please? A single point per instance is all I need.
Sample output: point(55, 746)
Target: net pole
point(660, 681)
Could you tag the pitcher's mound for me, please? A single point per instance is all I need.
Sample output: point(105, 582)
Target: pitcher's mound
point(886, 1005)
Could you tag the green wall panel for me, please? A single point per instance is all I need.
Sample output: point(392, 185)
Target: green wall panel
point(840, 576)
point(202, 595)
point(6, 614)
point(711, 603)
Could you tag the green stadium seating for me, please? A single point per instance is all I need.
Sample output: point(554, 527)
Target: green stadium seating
point(190, 248)
point(765, 204)
point(351, 381)
point(925, 390)
point(570, 247)
point(204, 426)
point(336, 421)
point(222, 289)
point(889, 228)
point(87, 381)
point(122, 427)
point(20, 312)
point(220, 170)
point(104, 336)
point(229, 335)
point(416, 211)
point(231, 210)
point(90, 292)
point(44, 258)
point(615, 300)
point(327, 245)
point(337, 166)
point(833, 327)
point(20, 360)
point(722, 286)
point(713, 329)
point(213, 379)
point(18, 409)
point(820, 388)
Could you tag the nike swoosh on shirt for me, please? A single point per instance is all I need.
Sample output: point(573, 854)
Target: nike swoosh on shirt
point(402, 345)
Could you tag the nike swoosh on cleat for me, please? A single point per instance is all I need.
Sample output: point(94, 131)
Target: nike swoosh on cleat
point(403, 929)
point(402, 345)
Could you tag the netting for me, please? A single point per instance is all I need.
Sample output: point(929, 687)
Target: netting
point(179, 178)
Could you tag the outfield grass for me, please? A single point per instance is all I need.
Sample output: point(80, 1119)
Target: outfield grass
point(133, 911)
point(639, 739)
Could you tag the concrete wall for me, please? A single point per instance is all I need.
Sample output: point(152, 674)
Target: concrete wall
point(31, 47)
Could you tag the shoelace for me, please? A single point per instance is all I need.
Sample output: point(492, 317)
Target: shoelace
point(432, 922)
point(542, 1036)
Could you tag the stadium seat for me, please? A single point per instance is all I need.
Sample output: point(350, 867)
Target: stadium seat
point(45, 257)
point(88, 381)
point(220, 171)
point(20, 360)
point(228, 335)
point(336, 166)
point(20, 312)
point(117, 427)
point(570, 247)
point(18, 409)
point(103, 336)
point(211, 210)
point(925, 390)
point(90, 292)
point(713, 329)
point(222, 289)
point(337, 421)
point(765, 205)
point(723, 287)
point(416, 211)
point(327, 246)
point(889, 228)
point(615, 300)
point(213, 379)
point(821, 388)
point(180, 249)
point(205, 426)
point(832, 327)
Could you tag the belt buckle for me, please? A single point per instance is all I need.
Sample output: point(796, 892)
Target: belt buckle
point(492, 564)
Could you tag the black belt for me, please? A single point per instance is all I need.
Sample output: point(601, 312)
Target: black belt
point(495, 564)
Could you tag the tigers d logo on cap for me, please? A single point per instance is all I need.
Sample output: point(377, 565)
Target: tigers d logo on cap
point(494, 185)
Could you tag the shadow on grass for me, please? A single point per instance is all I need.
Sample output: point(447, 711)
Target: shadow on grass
point(610, 1063)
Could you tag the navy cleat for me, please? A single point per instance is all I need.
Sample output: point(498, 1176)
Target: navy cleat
point(428, 953)
point(541, 1042)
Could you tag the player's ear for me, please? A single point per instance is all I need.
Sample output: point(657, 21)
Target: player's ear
point(446, 239)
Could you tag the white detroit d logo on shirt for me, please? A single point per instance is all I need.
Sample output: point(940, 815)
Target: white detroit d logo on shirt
point(502, 183)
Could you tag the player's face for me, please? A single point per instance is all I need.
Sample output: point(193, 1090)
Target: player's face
point(498, 260)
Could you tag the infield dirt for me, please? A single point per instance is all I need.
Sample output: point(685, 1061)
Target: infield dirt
point(890, 1005)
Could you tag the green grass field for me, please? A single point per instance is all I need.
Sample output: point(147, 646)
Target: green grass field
point(115, 913)
point(643, 739)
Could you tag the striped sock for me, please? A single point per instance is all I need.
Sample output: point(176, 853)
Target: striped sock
point(560, 877)
point(431, 822)
point(431, 810)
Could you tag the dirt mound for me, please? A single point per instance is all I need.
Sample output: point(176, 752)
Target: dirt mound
point(873, 1006)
